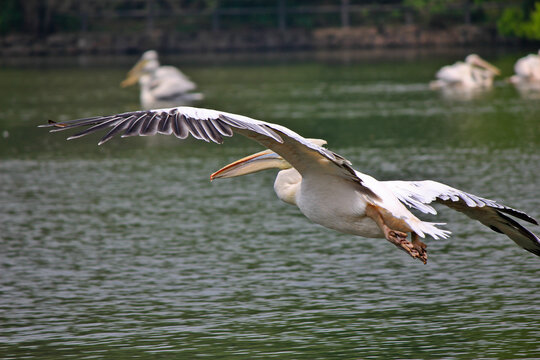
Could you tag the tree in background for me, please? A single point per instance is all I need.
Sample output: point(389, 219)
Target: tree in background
point(37, 17)
point(11, 16)
point(517, 18)
point(522, 22)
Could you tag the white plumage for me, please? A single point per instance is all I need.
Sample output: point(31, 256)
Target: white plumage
point(527, 76)
point(473, 74)
point(161, 86)
point(527, 69)
point(320, 182)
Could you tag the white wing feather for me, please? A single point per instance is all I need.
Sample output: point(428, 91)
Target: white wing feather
point(168, 82)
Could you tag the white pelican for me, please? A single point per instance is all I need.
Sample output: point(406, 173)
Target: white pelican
point(527, 69)
point(321, 183)
point(474, 73)
point(527, 76)
point(161, 86)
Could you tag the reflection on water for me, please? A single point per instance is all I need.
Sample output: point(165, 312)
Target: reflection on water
point(528, 90)
point(463, 93)
point(127, 250)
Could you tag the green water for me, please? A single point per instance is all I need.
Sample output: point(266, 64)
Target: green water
point(128, 251)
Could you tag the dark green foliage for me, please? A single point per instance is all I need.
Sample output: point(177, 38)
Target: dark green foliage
point(512, 18)
point(10, 17)
point(517, 22)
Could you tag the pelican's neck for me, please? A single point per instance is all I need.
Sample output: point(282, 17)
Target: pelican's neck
point(287, 185)
point(146, 96)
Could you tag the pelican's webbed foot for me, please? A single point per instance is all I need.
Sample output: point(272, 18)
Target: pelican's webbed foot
point(420, 247)
point(416, 249)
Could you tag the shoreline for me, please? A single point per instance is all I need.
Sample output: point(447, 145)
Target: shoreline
point(176, 43)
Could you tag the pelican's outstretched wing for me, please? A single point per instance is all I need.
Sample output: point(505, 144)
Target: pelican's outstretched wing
point(418, 194)
point(213, 125)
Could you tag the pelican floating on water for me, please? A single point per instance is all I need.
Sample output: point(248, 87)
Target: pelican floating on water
point(527, 69)
point(321, 183)
point(527, 75)
point(161, 86)
point(473, 74)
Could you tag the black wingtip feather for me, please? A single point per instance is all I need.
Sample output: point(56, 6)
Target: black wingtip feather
point(519, 214)
point(121, 126)
point(179, 126)
point(525, 232)
point(50, 123)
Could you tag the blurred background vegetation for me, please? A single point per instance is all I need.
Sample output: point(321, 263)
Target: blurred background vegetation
point(513, 18)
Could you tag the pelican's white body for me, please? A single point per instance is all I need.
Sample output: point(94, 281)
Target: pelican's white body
point(162, 92)
point(528, 68)
point(336, 204)
point(474, 73)
point(163, 86)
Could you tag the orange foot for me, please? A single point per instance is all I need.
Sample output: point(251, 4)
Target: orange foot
point(419, 246)
point(416, 249)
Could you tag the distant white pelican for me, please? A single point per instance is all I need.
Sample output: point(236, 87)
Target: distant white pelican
point(527, 76)
point(161, 86)
point(527, 69)
point(321, 183)
point(474, 73)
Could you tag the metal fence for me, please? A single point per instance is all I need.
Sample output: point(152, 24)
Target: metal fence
point(96, 15)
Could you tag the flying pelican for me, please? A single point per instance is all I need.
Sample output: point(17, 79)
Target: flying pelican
point(161, 86)
point(321, 183)
point(474, 73)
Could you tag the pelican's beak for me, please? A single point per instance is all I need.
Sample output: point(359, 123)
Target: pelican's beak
point(134, 74)
point(130, 80)
point(483, 63)
point(263, 160)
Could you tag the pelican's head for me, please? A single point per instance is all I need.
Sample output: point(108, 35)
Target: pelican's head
point(263, 160)
point(474, 59)
point(149, 55)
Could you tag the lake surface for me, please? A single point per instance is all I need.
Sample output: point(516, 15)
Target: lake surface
point(128, 251)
